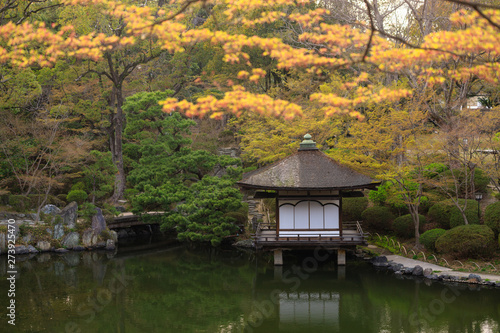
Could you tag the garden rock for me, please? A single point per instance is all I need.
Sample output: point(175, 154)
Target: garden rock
point(98, 222)
point(427, 272)
point(380, 261)
point(31, 249)
point(3, 242)
point(418, 271)
point(58, 231)
point(71, 240)
point(50, 210)
point(43, 246)
point(87, 238)
point(21, 249)
point(110, 245)
point(69, 214)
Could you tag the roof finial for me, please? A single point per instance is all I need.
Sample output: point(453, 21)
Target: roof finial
point(308, 143)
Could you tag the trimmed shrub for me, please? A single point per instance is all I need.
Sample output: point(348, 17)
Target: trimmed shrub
point(377, 218)
point(428, 238)
point(62, 198)
point(77, 195)
point(456, 218)
point(78, 186)
point(403, 226)
point(434, 169)
point(440, 213)
point(492, 217)
point(467, 241)
point(353, 207)
point(37, 199)
point(20, 203)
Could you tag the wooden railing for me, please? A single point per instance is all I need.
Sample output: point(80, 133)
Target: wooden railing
point(349, 238)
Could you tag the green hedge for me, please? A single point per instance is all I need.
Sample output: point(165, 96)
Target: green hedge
point(404, 227)
point(447, 215)
point(428, 238)
point(456, 218)
point(352, 208)
point(467, 241)
point(492, 217)
point(377, 218)
point(440, 213)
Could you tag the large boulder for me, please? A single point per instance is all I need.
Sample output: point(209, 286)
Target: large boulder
point(50, 210)
point(110, 245)
point(380, 261)
point(418, 270)
point(3, 242)
point(98, 222)
point(71, 240)
point(69, 214)
point(87, 238)
point(58, 231)
point(43, 246)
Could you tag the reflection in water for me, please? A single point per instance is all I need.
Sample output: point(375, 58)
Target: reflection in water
point(305, 309)
point(180, 289)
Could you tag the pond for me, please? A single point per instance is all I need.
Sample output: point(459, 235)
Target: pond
point(169, 287)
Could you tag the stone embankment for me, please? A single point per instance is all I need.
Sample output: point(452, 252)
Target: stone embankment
point(56, 230)
point(410, 267)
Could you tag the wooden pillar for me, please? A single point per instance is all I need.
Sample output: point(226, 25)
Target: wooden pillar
point(278, 273)
point(340, 257)
point(278, 257)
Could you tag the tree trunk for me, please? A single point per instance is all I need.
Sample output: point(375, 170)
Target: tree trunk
point(416, 223)
point(116, 145)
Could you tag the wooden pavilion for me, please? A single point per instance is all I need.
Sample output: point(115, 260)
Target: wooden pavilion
point(308, 187)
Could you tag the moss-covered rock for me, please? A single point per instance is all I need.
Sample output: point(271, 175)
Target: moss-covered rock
point(467, 241)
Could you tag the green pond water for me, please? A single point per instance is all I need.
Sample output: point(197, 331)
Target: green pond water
point(174, 288)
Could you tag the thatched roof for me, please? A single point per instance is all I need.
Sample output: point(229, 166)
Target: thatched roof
point(307, 169)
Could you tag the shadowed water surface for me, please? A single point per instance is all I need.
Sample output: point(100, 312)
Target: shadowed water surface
point(174, 288)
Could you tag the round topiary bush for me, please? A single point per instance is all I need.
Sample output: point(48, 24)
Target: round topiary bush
point(440, 213)
point(467, 241)
point(428, 238)
point(77, 195)
point(353, 207)
point(456, 217)
point(377, 218)
point(492, 217)
point(404, 227)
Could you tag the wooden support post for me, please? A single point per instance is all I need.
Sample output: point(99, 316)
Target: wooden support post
point(341, 261)
point(278, 257)
point(278, 273)
point(341, 273)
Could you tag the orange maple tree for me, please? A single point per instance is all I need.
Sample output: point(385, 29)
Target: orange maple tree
point(329, 48)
